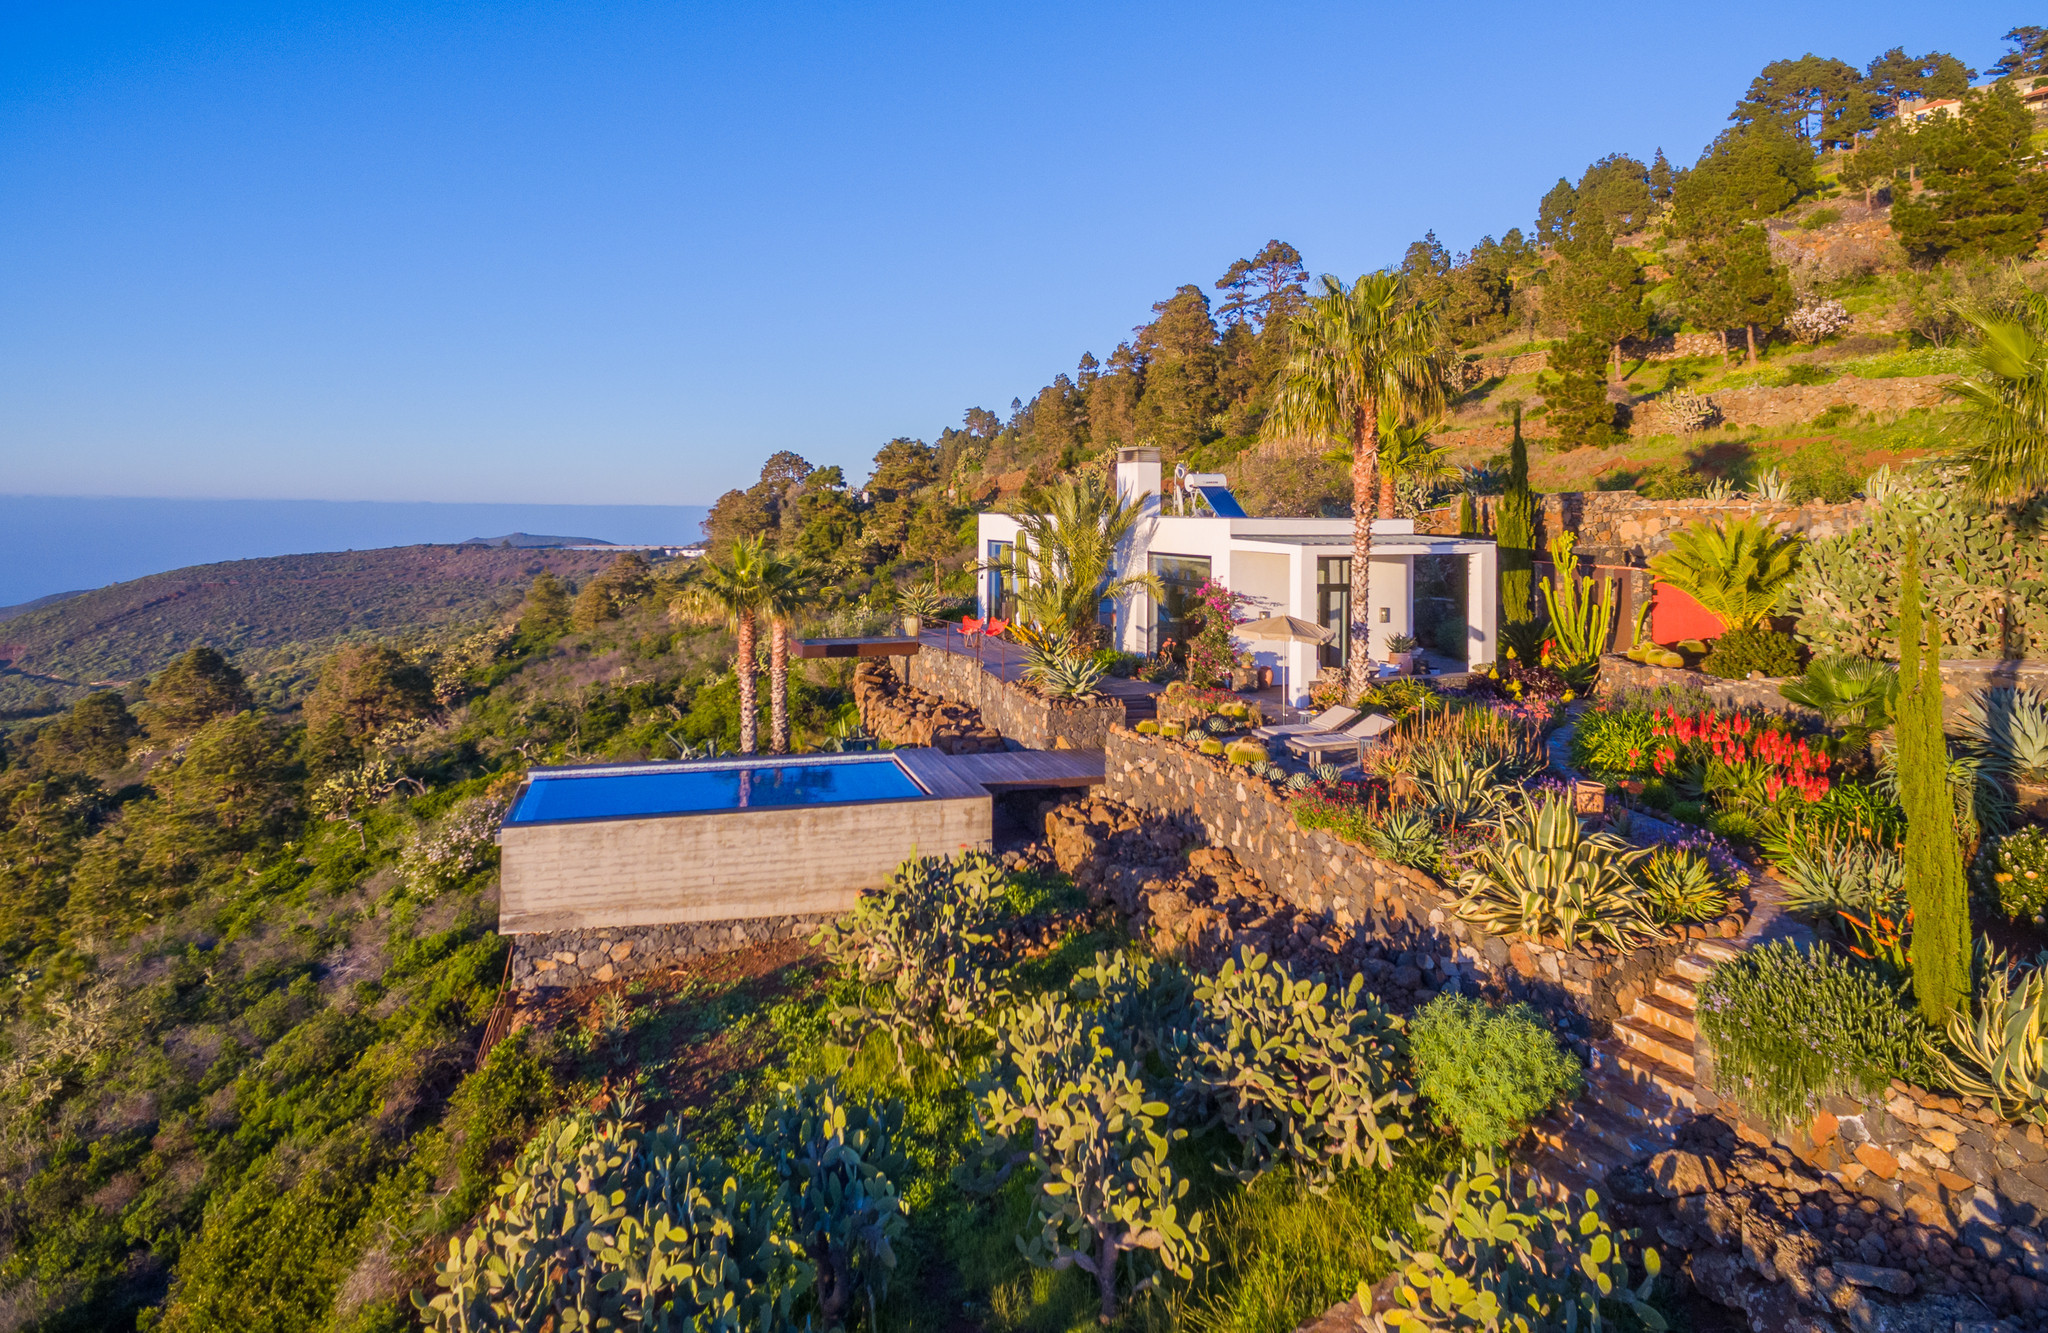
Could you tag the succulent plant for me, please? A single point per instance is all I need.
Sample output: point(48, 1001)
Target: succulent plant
point(1300, 781)
point(1219, 725)
point(600, 1224)
point(1301, 1072)
point(1680, 886)
point(1495, 1256)
point(2001, 1043)
point(1325, 772)
point(835, 1163)
point(1544, 875)
point(2011, 726)
point(1245, 752)
point(1406, 837)
point(1108, 1199)
point(1210, 745)
point(925, 951)
point(1147, 728)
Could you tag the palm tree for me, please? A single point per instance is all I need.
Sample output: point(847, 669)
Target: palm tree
point(1063, 565)
point(1405, 455)
point(787, 588)
point(733, 590)
point(1358, 351)
point(2005, 402)
point(1736, 570)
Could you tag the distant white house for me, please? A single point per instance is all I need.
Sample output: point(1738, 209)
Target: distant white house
point(1286, 566)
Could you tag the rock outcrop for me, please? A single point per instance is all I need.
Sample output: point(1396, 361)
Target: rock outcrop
point(1197, 903)
point(1756, 1230)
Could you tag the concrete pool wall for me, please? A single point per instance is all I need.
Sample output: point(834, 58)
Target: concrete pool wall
point(731, 865)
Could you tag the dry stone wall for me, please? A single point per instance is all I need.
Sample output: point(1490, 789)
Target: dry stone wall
point(569, 958)
point(902, 715)
point(1961, 679)
point(1016, 711)
point(1392, 905)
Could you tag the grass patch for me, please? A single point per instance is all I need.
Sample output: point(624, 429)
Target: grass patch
point(1914, 361)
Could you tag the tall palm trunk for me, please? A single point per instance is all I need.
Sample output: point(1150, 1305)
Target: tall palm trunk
point(1366, 495)
point(743, 663)
point(778, 687)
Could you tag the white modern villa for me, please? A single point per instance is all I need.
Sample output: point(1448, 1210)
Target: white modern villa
point(1297, 567)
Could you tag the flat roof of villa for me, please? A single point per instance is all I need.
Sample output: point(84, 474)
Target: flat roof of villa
point(1390, 543)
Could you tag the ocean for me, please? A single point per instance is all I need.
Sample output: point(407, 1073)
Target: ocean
point(53, 544)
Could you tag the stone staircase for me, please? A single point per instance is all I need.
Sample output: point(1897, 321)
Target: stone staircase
point(1639, 1088)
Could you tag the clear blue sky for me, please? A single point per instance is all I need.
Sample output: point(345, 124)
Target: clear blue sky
point(618, 253)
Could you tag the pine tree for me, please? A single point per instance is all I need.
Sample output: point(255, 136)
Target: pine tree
point(1935, 887)
point(1515, 533)
point(1577, 397)
point(1660, 178)
point(1977, 199)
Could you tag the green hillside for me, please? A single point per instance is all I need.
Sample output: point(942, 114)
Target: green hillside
point(269, 614)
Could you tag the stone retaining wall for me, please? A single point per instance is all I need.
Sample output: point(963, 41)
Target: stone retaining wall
point(1330, 878)
point(569, 958)
point(903, 715)
point(1946, 1164)
point(1019, 713)
point(1960, 680)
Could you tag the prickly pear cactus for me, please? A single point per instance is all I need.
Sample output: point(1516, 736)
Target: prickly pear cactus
point(926, 952)
point(835, 1161)
point(1299, 1071)
point(1108, 1199)
point(1988, 575)
point(1498, 1257)
point(601, 1225)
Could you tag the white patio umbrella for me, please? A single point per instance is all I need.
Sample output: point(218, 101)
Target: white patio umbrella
point(1289, 629)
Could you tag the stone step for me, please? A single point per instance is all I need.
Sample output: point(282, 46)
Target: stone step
point(1628, 1099)
point(1695, 966)
point(1649, 1077)
point(1554, 1177)
point(1669, 1015)
point(1563, 1135)
point(1631, 1137)
point(1657, 1043)
point(1719, 951)
point(1677, 990)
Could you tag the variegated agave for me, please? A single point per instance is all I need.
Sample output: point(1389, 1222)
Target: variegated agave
point(2012, 727)
point(1061, 669)
point(2001, 1051)
point(1544, 874)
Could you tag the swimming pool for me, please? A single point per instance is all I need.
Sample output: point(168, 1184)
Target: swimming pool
point(626, 845)
point(648, 790)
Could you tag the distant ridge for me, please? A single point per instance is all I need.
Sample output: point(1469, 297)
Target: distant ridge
point(527, 541)
point(19, 608)
point(272, 611)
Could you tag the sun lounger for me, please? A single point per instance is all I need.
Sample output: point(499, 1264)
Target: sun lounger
point(1330, 720)
point(1353, 738)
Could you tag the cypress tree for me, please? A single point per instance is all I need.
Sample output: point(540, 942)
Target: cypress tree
point(1934, 862)
point(1515, 533)
point(1468, 517)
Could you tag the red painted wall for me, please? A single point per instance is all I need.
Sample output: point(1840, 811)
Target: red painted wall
point(1674, 615)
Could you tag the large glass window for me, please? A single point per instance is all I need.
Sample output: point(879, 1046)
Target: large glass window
point(1333, 607)
point(1001, 602)
point(1181, 575)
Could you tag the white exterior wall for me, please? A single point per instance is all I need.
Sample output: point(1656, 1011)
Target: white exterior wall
point(1267, 560)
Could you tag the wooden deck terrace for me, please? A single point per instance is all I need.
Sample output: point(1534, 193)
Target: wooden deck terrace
point(1007, 770)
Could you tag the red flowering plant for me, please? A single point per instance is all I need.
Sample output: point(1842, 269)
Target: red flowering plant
point(1212, 649)
point(1740, 759)
point(1345, 808)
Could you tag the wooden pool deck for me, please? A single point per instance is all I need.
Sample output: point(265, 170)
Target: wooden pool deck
point(1008, 770)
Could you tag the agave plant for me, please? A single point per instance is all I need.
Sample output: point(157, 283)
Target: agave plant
point(1406, 837)
point(2000, 1052)
point(2011, 726)
point(1545, 874)
point(1679, 885)
point(1458, 785)
point(1772, 487)
point(1300, 781)
point(1982, 803)
point(1061, 669)
point(1327, 772)
point(1825, 877)
point(1848, 691)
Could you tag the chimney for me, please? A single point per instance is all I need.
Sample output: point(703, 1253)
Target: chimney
point(1137, 478)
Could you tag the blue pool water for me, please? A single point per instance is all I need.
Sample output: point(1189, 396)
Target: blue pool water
point(552, 797)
